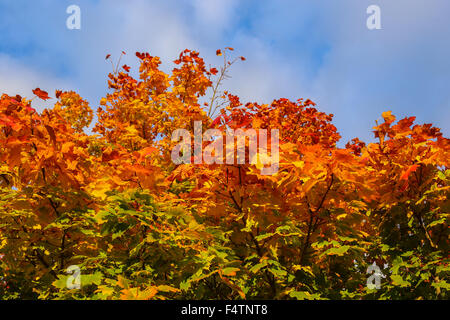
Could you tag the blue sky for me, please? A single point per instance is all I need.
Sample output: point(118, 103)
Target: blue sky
point(319, 49)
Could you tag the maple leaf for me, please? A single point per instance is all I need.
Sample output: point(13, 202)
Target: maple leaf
point(408, 171)
point(213, 71)
point(216, 120)
point(51, 132)
point(388, 117)
point(41, 94)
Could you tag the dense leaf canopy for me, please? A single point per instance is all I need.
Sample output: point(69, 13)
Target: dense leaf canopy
point(112, 201)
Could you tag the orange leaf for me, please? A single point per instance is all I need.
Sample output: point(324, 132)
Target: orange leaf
point(388, 117)
point(41, 94)
point(51, 132)
point(406, 174)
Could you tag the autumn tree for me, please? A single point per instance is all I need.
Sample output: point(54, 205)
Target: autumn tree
point(140, 226)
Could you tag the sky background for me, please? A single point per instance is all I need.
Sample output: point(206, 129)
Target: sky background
point(321, 50)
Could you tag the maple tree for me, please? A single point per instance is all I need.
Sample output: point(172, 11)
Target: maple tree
point(142, 227)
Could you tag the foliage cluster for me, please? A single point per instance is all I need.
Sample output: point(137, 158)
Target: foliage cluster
point(141, 227)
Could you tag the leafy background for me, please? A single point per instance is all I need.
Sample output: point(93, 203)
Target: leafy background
point(299, 48)
point(140, 227)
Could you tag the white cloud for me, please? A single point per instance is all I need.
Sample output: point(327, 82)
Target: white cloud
point(215, 15)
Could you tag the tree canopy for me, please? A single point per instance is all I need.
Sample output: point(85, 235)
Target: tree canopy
point(112, 202)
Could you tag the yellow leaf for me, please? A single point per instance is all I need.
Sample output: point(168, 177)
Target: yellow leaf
point(100, 189)
point(105, 290)
point(165, 288)
point(71, 165)
point(388, 117)
point(147, 293)
point(299, 164)
point(230, 271)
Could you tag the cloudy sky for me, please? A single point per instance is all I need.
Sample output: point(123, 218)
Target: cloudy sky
point(318, 49)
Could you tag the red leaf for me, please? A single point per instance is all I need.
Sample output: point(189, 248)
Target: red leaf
point(111, 155)
point(30, 109)
point(107, 56)
point(216, 120)
point(41, 94)
point(126, 68)
point(8, 121)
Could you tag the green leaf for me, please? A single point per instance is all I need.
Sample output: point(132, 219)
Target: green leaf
point(304, 295)
point(264, 236)
point(397, 280)
point(87, 279)
point(278, 272)
point(338, 251)
point(230, 271)
point(61, 282)
point(436, 222)
point(258, 266)
point(184, 285)
point(441, 175)
point(441, 284)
